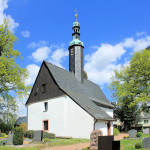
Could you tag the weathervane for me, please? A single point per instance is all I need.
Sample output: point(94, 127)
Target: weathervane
point(76, 14)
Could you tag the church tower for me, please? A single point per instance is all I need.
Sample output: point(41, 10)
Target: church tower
point(76, 53)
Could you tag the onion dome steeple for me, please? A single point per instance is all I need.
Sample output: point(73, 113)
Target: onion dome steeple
point(76, 53)
point(76, 34)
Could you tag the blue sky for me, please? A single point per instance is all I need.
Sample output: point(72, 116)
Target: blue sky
point(111, 32)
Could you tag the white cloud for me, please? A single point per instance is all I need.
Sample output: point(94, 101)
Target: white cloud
point(41, 54)
point(141, 34)
point(101, 63)
point(22, 108)
point(58, 56)
point(33, 71)
point(136, 44)
point(37, 44)
point(25, 33)
point(12, 23)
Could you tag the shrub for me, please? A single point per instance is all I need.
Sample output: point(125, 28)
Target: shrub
point(48, 135)
point(115, 131)
point(139, 134)
point(2, 134)
point(18, 136)
point(29, 134)
point(3, 142)
point(139, 145)
point(46, 140)
point(24, 127)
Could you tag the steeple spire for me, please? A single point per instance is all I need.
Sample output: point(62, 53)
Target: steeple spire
point(76, 14)
point(76, 52)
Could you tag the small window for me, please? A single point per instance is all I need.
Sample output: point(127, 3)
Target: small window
point(46, 106)
point(43, 88)
point(45, 125)
point(72, 51)
point(145, 121)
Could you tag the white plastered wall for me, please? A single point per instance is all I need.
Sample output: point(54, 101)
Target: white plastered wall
point(102, 125)
point(66, 118)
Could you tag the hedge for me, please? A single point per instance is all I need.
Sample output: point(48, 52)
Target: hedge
point(18, 136)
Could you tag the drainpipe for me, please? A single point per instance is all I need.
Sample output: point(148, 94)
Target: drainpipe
point(95, 120)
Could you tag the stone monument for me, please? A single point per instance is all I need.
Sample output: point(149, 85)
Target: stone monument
point(38, 136)
point(146, 142)
point(94, 139)
point(10, 138)
point(132, 133)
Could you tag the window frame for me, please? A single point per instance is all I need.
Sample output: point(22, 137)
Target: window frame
point(43, 88)
point(146, 121)
point(44, 126)
point(45, 109)
point(72, 51)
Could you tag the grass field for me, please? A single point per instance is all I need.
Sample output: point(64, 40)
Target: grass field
point(129, 144)
point(53, 142)
point(59, 142)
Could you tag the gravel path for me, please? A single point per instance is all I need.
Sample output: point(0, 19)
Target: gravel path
point(69, 147)
point(82, 145)
point(120, 136)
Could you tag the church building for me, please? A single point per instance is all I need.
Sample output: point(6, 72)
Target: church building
point(64, 102)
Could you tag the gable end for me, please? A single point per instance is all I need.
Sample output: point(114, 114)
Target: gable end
point(51, 88)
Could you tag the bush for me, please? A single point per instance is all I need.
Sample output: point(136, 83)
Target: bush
point(29, 134)
point(115, 131)
point(2, 134)
point(18, 136)
point(139, 145)
point(139, 134)
point(3, 142)
point(24, 127)
point(48, 135)
point(46, 140)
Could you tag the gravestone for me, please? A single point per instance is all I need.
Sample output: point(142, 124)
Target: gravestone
point(132, 133)
point(146, 131)
point(115, 145)
point(146, 142)
point(94, 139)
point(105, 142)
point(38, 135)
point(10, 138)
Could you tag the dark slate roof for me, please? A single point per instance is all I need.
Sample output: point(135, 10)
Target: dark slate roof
point(21, 120)
point(84, 94)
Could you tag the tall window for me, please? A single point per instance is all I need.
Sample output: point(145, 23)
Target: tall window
point(46, 106)
point(72, 51)
point(45, 125)
point(43, 88)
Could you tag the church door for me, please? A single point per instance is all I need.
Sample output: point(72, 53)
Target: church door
point(108, 128)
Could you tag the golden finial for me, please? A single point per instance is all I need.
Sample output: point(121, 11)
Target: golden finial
point(76, 14)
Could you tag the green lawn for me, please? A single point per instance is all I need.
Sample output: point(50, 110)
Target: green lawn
point(53, 142)
point(146, 135)
point(27, 148)
point(59, 142)
point(129, 144)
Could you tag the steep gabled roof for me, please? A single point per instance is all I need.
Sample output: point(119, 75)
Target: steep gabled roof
point(84, 94)
point(21, 120)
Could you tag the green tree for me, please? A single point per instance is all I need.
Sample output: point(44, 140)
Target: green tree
point(133, 81)
point(128, 117)
point(12, 76)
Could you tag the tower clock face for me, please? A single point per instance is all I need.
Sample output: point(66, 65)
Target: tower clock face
point(72, 51)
